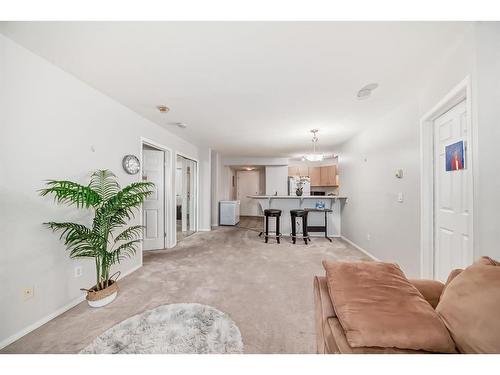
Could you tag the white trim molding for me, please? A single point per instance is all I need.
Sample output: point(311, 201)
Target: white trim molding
point(458, 94)
point(360, 249)
point(16, 336)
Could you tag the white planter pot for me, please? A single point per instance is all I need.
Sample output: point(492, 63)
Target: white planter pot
point(103, 297)
point(104, 301)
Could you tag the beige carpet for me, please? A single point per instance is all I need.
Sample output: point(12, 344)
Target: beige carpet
point(265, 288)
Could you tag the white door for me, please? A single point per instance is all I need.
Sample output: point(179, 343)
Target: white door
point(186, 188)
point(248, 183)
point(153, 170)
point(184, 195)
point(191, 194)
point(452, 217)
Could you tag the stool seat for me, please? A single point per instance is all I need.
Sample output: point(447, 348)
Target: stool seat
point(298, 213)
point(272, 212)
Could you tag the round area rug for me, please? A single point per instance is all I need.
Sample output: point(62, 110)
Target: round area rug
point(169, 329)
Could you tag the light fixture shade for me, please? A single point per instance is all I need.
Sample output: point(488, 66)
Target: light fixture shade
point(314, 157)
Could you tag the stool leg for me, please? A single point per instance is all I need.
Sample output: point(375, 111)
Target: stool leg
point(304, 228)
point(294, 225)
point(267, 228)
point(326, 228)
point(278, 229)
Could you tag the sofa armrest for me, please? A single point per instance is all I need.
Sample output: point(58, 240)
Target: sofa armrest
point(430, 289)
point(323, 309)
point(452, 275)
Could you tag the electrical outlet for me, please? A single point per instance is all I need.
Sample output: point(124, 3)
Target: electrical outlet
point(368, 236)
point(78, 271)
point(28, 293)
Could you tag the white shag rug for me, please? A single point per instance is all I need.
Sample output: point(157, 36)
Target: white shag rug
point(171, 329)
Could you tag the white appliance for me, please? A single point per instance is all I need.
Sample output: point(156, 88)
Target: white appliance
point(229, 212)
point(294, 182)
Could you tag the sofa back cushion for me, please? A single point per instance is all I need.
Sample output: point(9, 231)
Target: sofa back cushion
point(470, 307)
point(378, 307)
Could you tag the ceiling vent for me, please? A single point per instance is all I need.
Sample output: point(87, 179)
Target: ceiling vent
point(366, 91)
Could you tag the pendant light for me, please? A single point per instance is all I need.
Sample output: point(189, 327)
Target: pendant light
point(314, 156)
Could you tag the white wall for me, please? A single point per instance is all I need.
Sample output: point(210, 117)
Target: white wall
point(277, 180)
point(221, 183)
point(204, 193)
point(254, 161)
point(214, 190)
point(366, 165)
point(488, 123)
point(393, 142)
point(55, 126)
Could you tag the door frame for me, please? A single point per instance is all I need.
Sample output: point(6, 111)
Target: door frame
point(196, 188)
point(458, 94)
point(167, 191)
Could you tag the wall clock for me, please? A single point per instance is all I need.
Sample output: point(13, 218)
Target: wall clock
point(131, 164)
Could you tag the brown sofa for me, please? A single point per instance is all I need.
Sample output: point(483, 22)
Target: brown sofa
point(467, 305)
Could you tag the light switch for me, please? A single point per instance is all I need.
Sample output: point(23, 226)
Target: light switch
point(400, 197)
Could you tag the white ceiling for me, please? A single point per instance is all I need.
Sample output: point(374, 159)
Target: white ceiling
point(247, 88)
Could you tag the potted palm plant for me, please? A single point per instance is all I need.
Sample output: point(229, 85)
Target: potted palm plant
point(113, 207)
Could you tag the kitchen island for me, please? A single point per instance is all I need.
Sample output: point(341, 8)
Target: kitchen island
point(285, 203)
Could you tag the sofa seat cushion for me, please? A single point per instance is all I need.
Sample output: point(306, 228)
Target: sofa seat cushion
point(337, 343)
point(470, 308)
point(377, 306)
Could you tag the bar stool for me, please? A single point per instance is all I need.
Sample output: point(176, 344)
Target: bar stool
point(270, 212)
point(294, 214)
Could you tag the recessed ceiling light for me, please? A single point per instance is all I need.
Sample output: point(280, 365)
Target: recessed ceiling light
point(163, 108)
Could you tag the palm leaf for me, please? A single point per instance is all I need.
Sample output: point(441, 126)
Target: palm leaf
point(123, 205)
point(130, 233)
point(72, 193)
point(126, 250)
point(79, 240)
point(104, 183)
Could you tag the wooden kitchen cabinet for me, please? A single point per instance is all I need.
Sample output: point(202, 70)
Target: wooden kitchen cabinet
point(298, 171)
point(303, 171)
point(293, 171)
point(315, 176)
point(328, 175)
point(320, 176)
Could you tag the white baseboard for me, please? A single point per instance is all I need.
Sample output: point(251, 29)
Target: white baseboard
point(16, 336)
point(360, 248)
point(204, 229)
